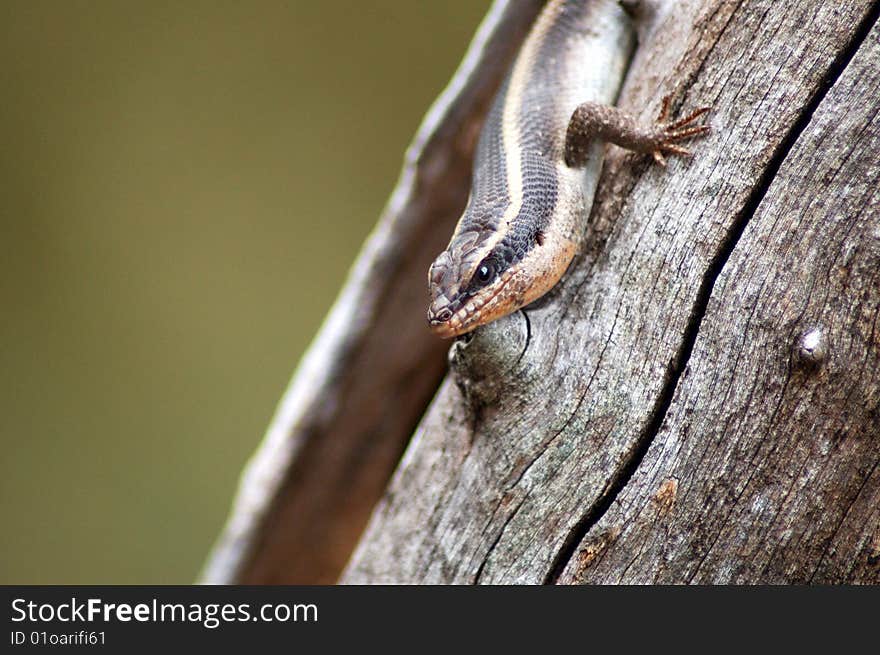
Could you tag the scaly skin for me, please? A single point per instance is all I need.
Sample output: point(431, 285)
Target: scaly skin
point(537, 163)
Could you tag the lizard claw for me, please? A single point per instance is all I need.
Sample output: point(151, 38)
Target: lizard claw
point(668, 134)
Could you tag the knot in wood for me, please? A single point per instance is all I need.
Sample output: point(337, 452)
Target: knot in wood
point(812, 347)
point(484, 364)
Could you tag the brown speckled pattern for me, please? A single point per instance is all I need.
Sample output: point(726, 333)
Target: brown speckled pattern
point(592, 121)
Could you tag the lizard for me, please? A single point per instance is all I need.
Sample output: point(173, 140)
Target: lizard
point(537, 162)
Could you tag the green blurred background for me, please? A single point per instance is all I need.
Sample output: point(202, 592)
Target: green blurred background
point(184, 186)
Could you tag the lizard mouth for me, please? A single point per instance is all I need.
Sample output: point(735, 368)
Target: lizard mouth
point(475, 312)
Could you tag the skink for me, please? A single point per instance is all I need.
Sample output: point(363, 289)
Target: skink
point(537, 163)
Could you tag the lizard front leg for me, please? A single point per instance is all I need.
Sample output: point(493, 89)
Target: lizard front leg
point(596, 121)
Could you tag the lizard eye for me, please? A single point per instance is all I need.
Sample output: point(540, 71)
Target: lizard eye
point(485, 272)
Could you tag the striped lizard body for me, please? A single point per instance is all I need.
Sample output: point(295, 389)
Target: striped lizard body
point(537, 163)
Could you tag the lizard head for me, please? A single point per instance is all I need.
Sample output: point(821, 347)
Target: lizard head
point(478, 279)
point(466, 291)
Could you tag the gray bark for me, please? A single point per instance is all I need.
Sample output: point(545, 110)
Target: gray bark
point(699, 399)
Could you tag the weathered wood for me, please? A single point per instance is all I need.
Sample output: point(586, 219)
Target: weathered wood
point(568, 445)
point(766, 466)
point(365, 381)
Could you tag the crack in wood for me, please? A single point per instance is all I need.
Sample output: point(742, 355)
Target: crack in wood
point(658, 414)
point(843, 517)
point(497, 539)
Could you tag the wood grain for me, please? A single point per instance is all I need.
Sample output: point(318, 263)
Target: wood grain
point(772, 442)
point(650, 419)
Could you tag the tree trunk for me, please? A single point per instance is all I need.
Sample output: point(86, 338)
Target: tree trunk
point(697, 401)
